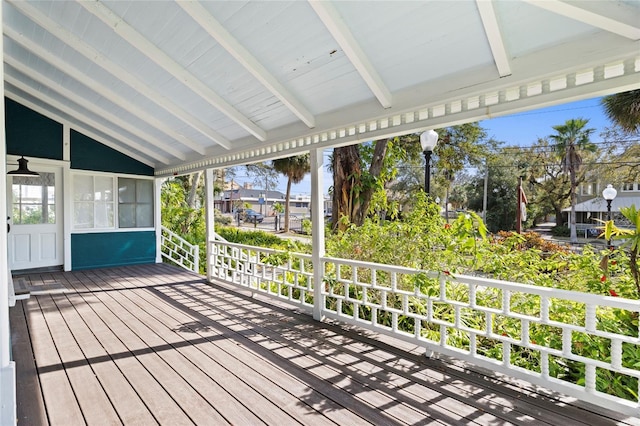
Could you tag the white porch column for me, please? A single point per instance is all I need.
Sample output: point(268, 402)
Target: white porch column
point(209, 180)
point(8, 411)
point(317, 229)
point(158, 217)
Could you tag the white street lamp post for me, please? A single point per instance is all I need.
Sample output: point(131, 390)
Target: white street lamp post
point(428, 141)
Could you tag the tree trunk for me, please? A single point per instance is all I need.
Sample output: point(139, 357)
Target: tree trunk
point(346, 171)
point(380, 151)
point(287, 198)
point(350, 197)
point(193, 191)
point(572, 217)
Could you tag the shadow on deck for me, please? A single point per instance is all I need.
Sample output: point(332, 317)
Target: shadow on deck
point(155, 344)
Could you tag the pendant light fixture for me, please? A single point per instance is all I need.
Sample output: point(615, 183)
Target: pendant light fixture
point(23, 170)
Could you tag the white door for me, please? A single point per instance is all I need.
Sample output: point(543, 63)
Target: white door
point(35, 239)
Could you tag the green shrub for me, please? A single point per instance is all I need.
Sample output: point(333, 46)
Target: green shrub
point(560, 231)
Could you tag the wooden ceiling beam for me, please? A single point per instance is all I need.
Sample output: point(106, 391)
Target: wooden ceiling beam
point(118, 72)
point(246, 59)
point(590, 18)
point(151, 153)
point(342, 34)
point(157, 55)
point(494, 36)
point(89, 106)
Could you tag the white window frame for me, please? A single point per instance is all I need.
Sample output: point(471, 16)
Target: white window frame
point(114, 180)
point(634, 186)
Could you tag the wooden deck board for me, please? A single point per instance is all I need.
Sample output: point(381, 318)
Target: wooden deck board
point(155, 344)
point(92, 399)
point(30, 404)
point(57, 393)
point(165, 322)
point(130, 408)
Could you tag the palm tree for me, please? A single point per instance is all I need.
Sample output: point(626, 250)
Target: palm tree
point(294, 168)
point(571, 140)
point(624, 109)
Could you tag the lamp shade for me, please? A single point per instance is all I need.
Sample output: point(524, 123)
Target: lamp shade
point(22, 170)
point(609, 193)
point(428, 140)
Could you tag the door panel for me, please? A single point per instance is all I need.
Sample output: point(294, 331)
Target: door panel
point(35, 239)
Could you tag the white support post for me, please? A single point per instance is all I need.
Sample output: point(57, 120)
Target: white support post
point(66, 197)
point(317, 230)
point(210, 221)
point(8, 411)
point(158, 217)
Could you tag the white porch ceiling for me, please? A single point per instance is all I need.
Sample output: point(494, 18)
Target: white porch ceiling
point(183, 86)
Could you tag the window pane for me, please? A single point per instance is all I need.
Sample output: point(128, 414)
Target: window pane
point(31, 214)
point(51, 214)
point(144, 191)
point(32, 198)
point(83, 215)
point(82, 188)
point(144, 215)
point(103, 188)
point(127, 215)
point(126, 190)
point(104, 215)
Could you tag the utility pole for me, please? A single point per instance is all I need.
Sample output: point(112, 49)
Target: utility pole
point(519, 207)
point(486, 188)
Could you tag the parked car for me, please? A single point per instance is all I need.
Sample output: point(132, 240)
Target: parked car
point(252, 216)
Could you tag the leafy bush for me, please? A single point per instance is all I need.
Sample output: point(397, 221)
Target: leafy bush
point(560, 231)
point(261, 239)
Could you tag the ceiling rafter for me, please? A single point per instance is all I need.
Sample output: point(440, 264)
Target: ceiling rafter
point(11, 94)
point(341, 33)
point(90, 106)
point(87, 81)
point(157, 55)
point(494, 36)
point(587, 17)
point(93, 55)
point(215, 29)
point(83, 117)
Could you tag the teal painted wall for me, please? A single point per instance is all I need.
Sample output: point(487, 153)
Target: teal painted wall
point(31, 134)
point(88, 154)
point(36, 136)
point(99, 250)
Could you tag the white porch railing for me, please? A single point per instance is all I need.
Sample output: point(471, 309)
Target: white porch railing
point(179, 251)
point(492, 324)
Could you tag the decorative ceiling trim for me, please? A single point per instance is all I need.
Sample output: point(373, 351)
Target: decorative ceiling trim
point(621, 75)
point(589, 18)
point(151, 51)
point(118, 72)
point(246, 59)
point(341, 33)
point(492, 30)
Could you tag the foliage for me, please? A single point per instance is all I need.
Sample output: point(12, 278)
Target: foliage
point(624, 109)
point(261, 239)
point(560, 231)
point(531, 240)
point(621, 156)
point(631, 238)
point(502, 192)
point(366, 174)
point(572, 140)
point(294, 168)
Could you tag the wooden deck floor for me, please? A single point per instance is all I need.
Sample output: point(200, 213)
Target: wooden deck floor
point(157, 345)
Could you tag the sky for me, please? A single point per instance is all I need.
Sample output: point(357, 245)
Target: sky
point(521, 129)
